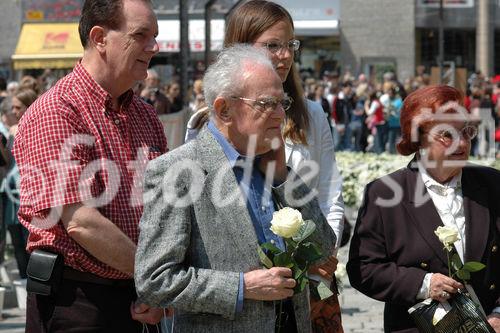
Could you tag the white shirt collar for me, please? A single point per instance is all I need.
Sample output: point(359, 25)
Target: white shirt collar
point(432, 184)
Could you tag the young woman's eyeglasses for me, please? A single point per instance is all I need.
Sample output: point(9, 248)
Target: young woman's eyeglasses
point(468, 132)
point(275, 46)
point(268, 104)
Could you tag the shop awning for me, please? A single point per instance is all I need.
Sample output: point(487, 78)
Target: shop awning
point(48, 45)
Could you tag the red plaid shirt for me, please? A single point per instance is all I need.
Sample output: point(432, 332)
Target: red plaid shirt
point(72, 147)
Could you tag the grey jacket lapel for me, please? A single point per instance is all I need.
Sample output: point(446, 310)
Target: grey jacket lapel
point(221, 182)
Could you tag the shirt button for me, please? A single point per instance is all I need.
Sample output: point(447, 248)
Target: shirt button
point(263, 208)
point(494, 248)
point(273, 241)
point(492, 287)
point(117, 122)
point(424, 265)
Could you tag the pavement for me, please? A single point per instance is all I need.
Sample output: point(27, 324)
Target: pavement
point(360, 314)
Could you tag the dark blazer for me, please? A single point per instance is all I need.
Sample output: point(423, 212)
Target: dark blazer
point(394, 244)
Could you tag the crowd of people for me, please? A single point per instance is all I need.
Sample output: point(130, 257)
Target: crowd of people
point(365, 113)
point(123, 235)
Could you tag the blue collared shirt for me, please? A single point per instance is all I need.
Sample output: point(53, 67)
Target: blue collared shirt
point(258, 198)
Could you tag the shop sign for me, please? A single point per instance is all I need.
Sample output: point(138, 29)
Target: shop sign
point(55, 40)
point(52, 10)
point(34, 15)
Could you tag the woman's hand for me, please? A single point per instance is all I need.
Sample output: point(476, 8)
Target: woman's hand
point(326, 269)
point(494, 321)
point(442, 286)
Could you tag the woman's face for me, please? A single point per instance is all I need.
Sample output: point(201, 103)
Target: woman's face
point(18, 108)
point(448, 144)
point(281, 34)
point(174, 90)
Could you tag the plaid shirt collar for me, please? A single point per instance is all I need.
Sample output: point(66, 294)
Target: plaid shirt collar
point(101, 96)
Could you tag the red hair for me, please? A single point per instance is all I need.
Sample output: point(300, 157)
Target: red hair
point(415, 105)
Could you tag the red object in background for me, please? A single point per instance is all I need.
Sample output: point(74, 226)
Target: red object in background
point(497, 135)
point(495, 79)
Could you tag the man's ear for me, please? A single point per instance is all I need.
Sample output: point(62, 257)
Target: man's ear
point(221, 109)
point(97, 37)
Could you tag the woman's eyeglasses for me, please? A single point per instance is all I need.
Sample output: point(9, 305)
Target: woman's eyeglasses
point(275, 46)
point(447, 136)
point(268, 104)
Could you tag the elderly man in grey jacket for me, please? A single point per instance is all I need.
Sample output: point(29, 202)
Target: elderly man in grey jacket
point(208, 205)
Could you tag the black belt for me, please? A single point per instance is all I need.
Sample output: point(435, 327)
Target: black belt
point(76, 275)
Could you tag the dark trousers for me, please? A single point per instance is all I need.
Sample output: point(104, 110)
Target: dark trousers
point(18, 235)
point(286, 322)
point(84, 307)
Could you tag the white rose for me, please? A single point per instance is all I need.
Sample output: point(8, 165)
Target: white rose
point(286, 222)
point(447, 236)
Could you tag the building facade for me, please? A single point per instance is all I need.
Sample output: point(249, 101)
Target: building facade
point(399, 35)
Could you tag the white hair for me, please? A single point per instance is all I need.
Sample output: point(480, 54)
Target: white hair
point(227, 75)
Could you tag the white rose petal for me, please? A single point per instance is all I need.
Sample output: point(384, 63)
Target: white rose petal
point(447, 236)
point(286, 222)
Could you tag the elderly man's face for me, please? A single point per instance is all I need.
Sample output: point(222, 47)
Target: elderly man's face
point(133, 44)
point(250, 118)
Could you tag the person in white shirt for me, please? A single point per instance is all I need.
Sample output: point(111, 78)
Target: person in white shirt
point(395, 256)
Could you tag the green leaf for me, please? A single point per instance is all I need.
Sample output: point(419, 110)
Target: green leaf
point(305, 231)
point(456, 262)
point(323, 291)
point(301, 284)
point(308, 252)
point(290, 244)
point(283, 259)
point(463, 274)
point(263, 258)
point(297, 272)
point(270, 247)
point(474, 266)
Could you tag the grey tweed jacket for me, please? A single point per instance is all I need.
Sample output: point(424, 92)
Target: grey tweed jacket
point(192, 247)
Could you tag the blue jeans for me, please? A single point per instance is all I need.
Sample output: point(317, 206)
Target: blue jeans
point(380, 139)
point(393, 136)
point(355, 131)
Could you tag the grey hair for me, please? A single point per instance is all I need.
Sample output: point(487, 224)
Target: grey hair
point(227, 75)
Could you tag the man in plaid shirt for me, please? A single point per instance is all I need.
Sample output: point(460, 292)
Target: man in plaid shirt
point(82, 149)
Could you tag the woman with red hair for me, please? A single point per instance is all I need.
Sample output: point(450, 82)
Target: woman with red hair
point(395, 257)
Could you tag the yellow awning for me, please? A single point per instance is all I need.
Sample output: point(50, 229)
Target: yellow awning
point(48, 45)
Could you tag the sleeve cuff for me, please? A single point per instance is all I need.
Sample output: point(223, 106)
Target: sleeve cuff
point(423, 293)
point(239, 301)
point(496, 310)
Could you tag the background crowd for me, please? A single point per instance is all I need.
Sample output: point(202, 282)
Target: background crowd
point(363, 113)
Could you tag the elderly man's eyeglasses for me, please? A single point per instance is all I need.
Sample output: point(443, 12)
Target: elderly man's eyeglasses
point(268, 104)
point(468, 132)
point(275, 46)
